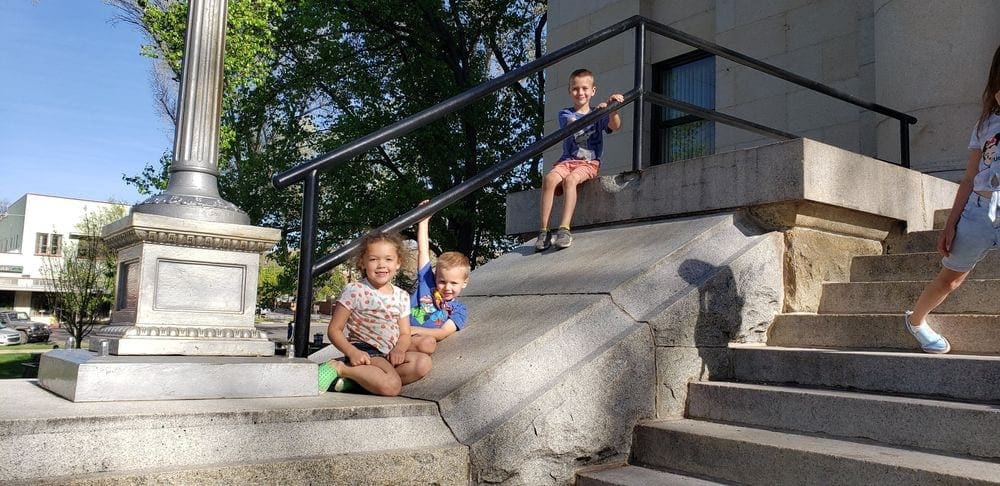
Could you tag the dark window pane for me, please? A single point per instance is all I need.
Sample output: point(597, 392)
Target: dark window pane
point(695, 139)
point(678, 135)
point(692, 83)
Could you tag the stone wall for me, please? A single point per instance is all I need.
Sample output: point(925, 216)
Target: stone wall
point(903, 54)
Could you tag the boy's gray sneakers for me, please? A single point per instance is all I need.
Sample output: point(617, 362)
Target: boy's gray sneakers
point(543, 242)
point(930, 341)
point(563, 238)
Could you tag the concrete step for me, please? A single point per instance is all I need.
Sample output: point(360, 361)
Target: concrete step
point(758, 456)
point(920, 241)
point(384, 467)
point(626, 475)
point(967, 333)
point(915, 242)
point(975, 296)
point(504, 371)
point(953, 427)
point(941, 217)
point(915, 266)
point(194, 441)
point(962, 377)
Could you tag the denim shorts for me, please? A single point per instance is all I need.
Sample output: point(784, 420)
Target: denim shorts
point(365, 348)
point(975, 234)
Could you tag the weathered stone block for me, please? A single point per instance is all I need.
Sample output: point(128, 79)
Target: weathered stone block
point(585, 417)
point(732, 302)
point(678, 366)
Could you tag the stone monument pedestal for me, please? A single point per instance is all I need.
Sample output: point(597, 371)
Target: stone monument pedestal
point(185, 287)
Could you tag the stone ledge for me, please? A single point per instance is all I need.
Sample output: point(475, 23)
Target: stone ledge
point(791, 171)
point(139, 227)
point(174, 439)
point(445, 466)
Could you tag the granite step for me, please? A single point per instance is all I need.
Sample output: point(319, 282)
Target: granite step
point(757, 456)
point(975, 296)
point(915, 242)
point(915, 267)
point(953, 427)
point(941, 217)
point(960, 377)
point(967, 333)
point(419, 465)
point(920, 241)
point(193, 441)
point(626, 475)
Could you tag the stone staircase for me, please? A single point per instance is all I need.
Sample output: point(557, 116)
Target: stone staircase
point(844, 396)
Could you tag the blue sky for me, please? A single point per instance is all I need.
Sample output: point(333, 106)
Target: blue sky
point(77, 108)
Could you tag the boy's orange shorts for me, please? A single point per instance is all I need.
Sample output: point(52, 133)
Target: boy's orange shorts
point(586, 168)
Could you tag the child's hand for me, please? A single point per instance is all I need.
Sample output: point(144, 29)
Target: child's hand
point(358, 357)
point(397, 356)
point(945, 240)
point(425, 201)
point(614, 98)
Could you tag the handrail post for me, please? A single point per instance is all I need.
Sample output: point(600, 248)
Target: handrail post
point(303, 299)
point(904, 144)
point(640, 86)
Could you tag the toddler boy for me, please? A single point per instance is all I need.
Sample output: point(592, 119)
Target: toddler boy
point(435, 312)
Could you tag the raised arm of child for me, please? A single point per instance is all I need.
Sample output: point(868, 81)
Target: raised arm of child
point(423, 240)
point(335, 331)
point(423, 258)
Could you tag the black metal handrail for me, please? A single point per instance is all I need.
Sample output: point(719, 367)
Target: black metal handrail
point(308, 172)
point(347, 151)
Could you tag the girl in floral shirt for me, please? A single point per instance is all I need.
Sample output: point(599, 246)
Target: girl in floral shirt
point(376, 315)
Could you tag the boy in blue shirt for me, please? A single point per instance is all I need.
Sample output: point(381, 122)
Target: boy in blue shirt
point(435, 312)
point(580, 160)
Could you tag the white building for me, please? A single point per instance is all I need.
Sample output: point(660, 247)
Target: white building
point(35, 229)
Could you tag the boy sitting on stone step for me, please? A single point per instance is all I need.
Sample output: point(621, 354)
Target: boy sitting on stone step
point(580, 160)
point(435, 312)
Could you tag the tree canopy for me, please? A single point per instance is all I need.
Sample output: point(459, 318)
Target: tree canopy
point(303, 77)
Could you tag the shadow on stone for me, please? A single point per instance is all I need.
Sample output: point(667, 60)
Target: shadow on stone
point(720, 309)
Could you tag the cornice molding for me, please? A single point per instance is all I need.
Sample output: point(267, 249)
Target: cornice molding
point(135, 235)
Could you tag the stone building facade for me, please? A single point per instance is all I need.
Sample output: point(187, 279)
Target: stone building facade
point(926, 58)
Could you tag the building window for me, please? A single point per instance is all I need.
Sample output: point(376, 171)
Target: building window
point(48, 244)
point(86, 246)
point(677, 135)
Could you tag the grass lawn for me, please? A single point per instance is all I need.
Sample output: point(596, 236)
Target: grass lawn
point(10, 364)
point(11, 357)
point(25, 347)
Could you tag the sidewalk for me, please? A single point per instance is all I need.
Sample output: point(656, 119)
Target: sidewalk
point(276, 326)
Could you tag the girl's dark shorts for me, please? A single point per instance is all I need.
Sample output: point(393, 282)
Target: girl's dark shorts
point(367, 348)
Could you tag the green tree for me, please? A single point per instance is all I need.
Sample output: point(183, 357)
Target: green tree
point(81, 281)
point(304, 77)
point(268, 285)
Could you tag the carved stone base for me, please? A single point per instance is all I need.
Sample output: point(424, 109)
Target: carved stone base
point(83, 376)
point(183, 340)
point(185, 287)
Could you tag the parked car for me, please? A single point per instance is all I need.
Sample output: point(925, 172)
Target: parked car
point(8, 336)
point(31, 331)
